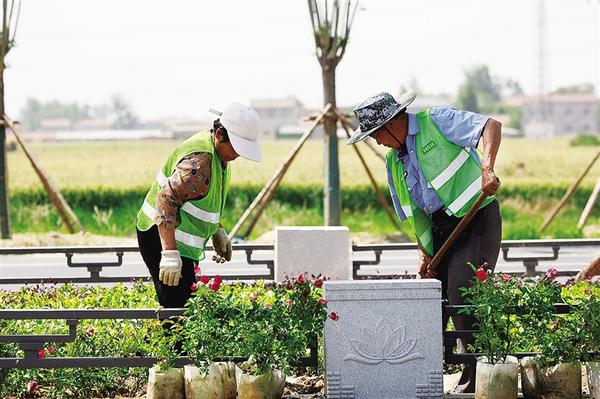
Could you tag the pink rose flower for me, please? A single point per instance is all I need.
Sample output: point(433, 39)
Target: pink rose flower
point(301, 279)
point(551, 274)
point(204, 279)
point(215, 285)
point(32, 386)
point(194, 287)
point(334, 316)
point(322, 301)
point(196, 270)
point(41, 353)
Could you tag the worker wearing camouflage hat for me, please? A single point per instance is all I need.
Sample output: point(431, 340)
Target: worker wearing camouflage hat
point(434, 175)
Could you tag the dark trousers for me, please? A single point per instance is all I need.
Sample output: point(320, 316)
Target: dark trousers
point(168, 296)
point(478, 243)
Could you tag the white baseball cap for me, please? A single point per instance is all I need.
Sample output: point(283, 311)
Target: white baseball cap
point(242, 123)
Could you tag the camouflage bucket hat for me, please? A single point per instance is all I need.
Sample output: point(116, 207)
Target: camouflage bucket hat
point(376, 111)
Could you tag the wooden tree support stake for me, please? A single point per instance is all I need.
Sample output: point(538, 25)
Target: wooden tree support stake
point(62, 207)
point(567, 195)
point(268, 190)
point(380, 197)
point(589, 205)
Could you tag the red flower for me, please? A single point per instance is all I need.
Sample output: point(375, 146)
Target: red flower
point(505, 277)
point(215, 285)
point(334, 316)
point(41, 353)
point(194, 287)
point(322, 301)
point(204, 279)
point(551, 274)
point(289, 302)
point(50, 349)
point(32, 386)
point(196, 270)
point(290, 285)
point(318, 283)
point(301, 279)
point(218, 279)
point(90, 331)
point(481, 274)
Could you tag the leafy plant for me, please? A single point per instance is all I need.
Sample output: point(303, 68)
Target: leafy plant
point(494, 300)
point(591, 140)
point(272, 324)
point(521, 315)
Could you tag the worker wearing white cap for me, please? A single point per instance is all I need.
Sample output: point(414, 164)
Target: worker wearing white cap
point(183, 208)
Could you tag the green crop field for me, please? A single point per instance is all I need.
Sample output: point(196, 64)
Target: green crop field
point(134, 164)
point(105, 183)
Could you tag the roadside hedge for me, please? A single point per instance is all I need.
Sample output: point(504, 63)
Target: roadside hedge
point(353, 198)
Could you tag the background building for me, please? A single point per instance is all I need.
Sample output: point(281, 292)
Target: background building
point(557, 115)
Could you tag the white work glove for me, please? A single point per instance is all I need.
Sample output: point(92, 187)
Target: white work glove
point(222, 246)
point(170, 267)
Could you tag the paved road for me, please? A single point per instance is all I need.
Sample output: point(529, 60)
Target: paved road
point(392, 262)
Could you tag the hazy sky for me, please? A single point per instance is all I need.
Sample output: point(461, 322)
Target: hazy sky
point(180, 57)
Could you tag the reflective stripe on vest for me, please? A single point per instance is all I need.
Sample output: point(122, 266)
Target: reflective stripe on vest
point(466, 195)
point(161, 179)
point(451, 170)
point(189, 239)
point(205, 216)
point(149, 210)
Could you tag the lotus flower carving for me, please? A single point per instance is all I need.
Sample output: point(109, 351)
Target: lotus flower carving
point(384, 344)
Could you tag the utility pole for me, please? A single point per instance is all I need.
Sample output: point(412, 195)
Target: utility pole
point(331, 24)
point(7, 39)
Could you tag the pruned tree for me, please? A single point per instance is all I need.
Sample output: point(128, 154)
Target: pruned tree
point(331, 23)
point(10, 22)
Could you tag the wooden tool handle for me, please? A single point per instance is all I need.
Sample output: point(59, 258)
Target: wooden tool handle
point(457, 230)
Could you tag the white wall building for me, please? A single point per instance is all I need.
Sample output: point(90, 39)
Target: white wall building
point(557, 115)
point(277, 113)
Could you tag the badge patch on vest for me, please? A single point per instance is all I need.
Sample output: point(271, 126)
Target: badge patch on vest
point(428, 147)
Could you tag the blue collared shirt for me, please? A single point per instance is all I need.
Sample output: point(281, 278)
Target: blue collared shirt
point(462, 128)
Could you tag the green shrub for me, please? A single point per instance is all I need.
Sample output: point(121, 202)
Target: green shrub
point(270, 324)
point(585, 140)
point(111, 338)
point(113, 211)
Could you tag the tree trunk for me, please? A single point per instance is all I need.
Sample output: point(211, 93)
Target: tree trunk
point(4, 215)
point(331, 175)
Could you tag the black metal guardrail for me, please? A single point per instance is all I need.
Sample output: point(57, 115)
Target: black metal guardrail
point(530, 263)
point(95, 268)
point(30, 344)
point(450, 337)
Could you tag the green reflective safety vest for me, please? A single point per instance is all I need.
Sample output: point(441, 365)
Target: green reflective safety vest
point(199, 218)
point(449, 169)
